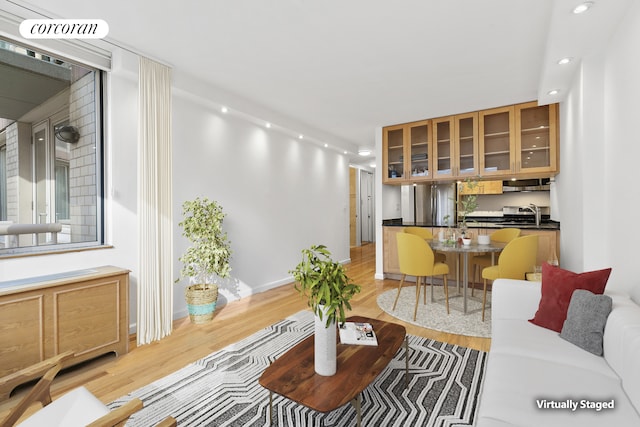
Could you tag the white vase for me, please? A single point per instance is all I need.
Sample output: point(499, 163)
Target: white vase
point(324, 345)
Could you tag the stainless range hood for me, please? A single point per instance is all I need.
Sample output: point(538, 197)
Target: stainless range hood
point(541, 184)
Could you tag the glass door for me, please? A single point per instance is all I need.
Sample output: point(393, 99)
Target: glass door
point(419, 146)
point(536, 137)
point(497, 141)
point(443, 147)
point(393, 154)
point(467, 144)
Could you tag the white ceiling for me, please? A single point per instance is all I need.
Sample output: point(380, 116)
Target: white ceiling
point(345, 67)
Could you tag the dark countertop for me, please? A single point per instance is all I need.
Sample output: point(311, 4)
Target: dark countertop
point(546, 224)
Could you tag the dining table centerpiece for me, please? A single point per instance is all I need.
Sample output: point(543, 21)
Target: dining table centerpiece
point(467, 202)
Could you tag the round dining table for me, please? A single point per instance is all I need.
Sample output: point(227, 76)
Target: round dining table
point(465, 250)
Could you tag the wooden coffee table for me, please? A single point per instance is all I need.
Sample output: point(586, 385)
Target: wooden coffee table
point(292, 375)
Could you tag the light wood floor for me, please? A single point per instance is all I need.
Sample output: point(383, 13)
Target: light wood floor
point(110, 377)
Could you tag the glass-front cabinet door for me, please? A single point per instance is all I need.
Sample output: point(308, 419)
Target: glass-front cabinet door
point(536, 137)
point(466, 148)
point(419, 150)
point(393, 154)
point(443, 147)
point(497, 141)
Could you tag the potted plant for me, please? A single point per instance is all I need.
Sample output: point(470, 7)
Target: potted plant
point(468, 200)
point(208, 256)
point(328, 290)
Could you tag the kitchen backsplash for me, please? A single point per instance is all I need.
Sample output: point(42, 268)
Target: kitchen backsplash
point(495, 202)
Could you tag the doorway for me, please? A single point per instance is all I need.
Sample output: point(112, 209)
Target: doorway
point(367, 210)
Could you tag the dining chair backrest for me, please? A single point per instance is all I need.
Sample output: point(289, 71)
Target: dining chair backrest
point(414, 255)
point(505, 235)
point(518, 257)
point(423, 232)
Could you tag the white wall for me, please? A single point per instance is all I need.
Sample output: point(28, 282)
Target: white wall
point(597, 192)
point(280, 194)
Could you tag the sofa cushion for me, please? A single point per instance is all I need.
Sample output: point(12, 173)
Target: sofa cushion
point(521, 338)
point(558, 286)
point(520, 390)
point(514, 299)
point(586, 318)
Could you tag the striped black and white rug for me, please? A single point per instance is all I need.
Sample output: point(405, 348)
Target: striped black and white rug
point(222, 389)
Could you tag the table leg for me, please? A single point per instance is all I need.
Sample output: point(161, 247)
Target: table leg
point(406, 362)
point(465, 280)
point(458, 272)
point(356, 403)
point(270, 407)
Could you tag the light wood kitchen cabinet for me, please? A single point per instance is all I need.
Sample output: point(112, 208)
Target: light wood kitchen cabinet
point(548, 244)
point(443, 147)
point(390, 262)
point(393, 153)
point(515, 141)
point(483, 187)
point(536, 138)
point(497, 141)
point(455, 147)
point(466, 145)
point(407, 152)
point(86, 312)
point(519, 140)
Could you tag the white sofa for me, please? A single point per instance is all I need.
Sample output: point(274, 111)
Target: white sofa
point(529, 364)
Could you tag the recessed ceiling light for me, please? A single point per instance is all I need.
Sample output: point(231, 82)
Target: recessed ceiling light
point(326, 145)
point(268, 125)
point(224, 109)
point(373, 165)
point(582, 7)
point(344, 152)
point(301, 136)
point(564, 61)
point(364, 152)
point(553, 92)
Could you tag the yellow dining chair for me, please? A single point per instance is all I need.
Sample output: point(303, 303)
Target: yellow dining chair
point(426, 234)
point(480, 261)
point(417, 259)
point(516, 259)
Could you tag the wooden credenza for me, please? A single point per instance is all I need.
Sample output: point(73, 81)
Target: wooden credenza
point(85, 311)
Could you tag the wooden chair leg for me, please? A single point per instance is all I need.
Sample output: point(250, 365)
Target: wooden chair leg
point(424, 293)
point(484, 298)
point(399, 288)
point(433, 299)
point(446, 291)
point(415, 310)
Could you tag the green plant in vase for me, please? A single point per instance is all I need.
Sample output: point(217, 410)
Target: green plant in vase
point(208, 256)
point(468, 202)
point(324, 283)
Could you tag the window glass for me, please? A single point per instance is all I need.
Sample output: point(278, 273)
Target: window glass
point(50, 158)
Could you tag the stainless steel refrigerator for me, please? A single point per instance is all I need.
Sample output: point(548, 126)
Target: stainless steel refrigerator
point(428, 204)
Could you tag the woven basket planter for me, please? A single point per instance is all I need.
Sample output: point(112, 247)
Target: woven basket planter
point(201, 303)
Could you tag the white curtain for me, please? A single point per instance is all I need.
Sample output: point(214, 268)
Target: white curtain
point(155, 219)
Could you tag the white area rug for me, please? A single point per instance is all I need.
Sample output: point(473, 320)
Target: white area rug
point(222, 390)
point(433, 315)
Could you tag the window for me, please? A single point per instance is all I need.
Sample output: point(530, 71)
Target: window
point(50, 152)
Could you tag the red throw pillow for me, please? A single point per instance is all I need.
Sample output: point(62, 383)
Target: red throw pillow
point(558, 286)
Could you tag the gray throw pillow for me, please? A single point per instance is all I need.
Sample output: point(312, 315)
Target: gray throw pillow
point(586, 318)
